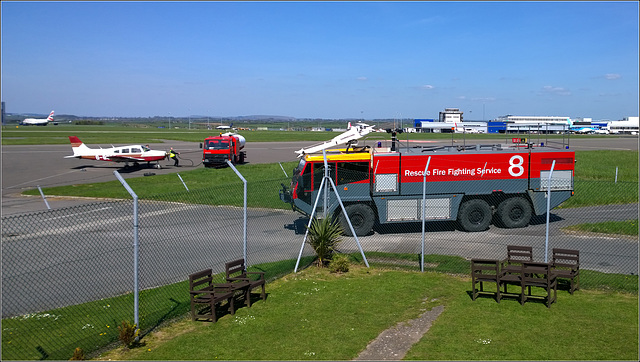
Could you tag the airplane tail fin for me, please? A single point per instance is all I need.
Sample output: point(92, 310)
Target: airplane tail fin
point(50, 118)
point(77, 146)
point(349, 125)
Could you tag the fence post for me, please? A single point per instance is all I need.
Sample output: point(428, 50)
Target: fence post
point(185, 185)
point(135, 250)
point(616, 175)
point(285, 173)
point(244, 181)
point(424, 207)
point(47, 203)
point(546, 239)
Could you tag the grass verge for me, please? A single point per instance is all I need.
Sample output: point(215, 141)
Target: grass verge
point(92, 326)
point(315, 315)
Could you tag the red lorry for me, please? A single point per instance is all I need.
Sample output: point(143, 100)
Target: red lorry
point(226, 146)
point(473, 185)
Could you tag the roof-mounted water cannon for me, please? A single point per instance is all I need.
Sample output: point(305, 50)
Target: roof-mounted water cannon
point(350, 137)
point(394, 139)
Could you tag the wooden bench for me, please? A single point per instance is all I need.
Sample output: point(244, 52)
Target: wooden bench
point(237, 274)
point(516, 255)
point(205, 295)
point(541, 275)
point(483, 271)
point(566, 264)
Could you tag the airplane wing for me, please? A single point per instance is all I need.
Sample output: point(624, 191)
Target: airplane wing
point(126, 158)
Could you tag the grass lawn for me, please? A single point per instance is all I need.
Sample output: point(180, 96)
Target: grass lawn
point(315, 315)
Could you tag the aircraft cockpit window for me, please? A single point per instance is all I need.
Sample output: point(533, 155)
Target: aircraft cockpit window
point(125, 150)
point(116, 151)
point(146, 149)
point(135, 150)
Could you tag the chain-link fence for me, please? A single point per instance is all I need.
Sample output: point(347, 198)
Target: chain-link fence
point(67, 274)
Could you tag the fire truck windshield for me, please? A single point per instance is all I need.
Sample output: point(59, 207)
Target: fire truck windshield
point(300, 167)
point(217, 145)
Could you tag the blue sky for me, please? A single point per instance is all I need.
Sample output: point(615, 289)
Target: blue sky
point(321, 59)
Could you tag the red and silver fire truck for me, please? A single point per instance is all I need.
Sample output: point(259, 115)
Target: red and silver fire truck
point(473, 185)
point(226, 146)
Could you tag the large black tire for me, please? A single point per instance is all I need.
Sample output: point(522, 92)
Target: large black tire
point(362, 219)
point(241, 157)
point(474, 215)
point(514, 212)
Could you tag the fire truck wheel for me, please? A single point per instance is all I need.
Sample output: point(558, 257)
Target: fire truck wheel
point(362, 219)
point(474, 215)
point(514, 212)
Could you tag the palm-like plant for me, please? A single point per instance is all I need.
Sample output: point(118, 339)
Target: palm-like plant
point(324, 236)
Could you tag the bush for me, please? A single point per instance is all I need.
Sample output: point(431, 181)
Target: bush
point(339, 263)
point(78, 355)
point(128, 334)
point(324, 236)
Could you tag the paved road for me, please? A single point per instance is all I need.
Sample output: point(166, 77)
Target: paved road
point(26, 167)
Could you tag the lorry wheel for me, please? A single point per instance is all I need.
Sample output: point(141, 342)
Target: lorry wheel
point(242, 158)
point(474, 215)
point(514, 212)
point(362, 219)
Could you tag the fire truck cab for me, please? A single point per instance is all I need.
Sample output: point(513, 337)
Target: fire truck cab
point(218, 150)
point(475, 185)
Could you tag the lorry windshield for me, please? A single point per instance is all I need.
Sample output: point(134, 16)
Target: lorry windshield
point(300, 167)
point(217, 145)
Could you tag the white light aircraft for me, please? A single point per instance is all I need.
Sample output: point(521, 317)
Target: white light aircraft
point(38, 121)
point(126, 154)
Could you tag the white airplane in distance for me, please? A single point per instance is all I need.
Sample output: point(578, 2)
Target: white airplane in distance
point(126, 154)
point(225, 127)
point(38, 121)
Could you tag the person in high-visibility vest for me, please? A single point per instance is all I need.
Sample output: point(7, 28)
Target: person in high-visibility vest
point(174, 155)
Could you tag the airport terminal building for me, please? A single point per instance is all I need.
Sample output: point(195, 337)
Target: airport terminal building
point(451, 120)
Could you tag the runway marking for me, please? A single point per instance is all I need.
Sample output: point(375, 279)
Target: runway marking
point(40, 179)
point(91, 224)
point(78, 213)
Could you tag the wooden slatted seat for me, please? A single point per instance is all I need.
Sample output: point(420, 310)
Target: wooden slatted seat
point(205, 295)
point(237, 274)
point(540, 275)
point(516, 255)
point(566, 264)
point(485, 271)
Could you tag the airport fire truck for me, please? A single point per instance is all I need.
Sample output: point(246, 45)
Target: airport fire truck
point(475, 185)
point(226, 146)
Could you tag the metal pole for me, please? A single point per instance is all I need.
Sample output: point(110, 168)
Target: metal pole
point(424, 207)
point(306, 233)
point(244, 250)
point(615, 182)
point(546, 239)
point(185, 185)
point(326, 187)
point(335, 189)
point(49, 208)
point(135, 250)
point(285, 173)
